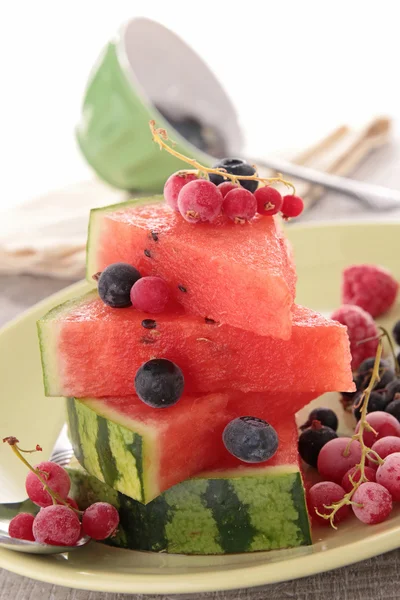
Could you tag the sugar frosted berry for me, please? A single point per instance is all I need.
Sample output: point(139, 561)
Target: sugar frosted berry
point(235, 166)
point(384, 447)
point(200, 201)
point(388, 475)
point(377, 401)
point(250, 439)
point(21, 527)
point(173, 186)
point(364, 373)
point(337, 457)
point(115, 284)
point(269, 200)
point(57, 525)
point(56, 478)
point(150, 294)
point(292, 206)
point(324, 494)
point(311, 441)
point(239, 205)
point(392, 391)
point(383, 423)
point(375, 503)
point(159, 383)
point(100, 520)
point(226, 187)
point(371, 287)
point(355, 474)
point(393, 408)
point(326, 416)
point(360, 326)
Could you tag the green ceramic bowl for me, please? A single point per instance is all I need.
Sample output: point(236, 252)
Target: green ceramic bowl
point(145, 66)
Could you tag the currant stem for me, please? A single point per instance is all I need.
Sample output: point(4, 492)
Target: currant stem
point(160, 137)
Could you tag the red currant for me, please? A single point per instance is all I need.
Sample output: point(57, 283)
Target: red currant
point(200, 201)
point(173, 186)
point(20, 527)
point(292, 206)
point(226, 187)
point(384, 447)
point(150, 294)
point(56, 478)
point(388, 475)
point(375, 503)
point(324, 494)
point(355, 474)
point(383, 423)
point(100, 520)
point(57, 525)
point(269, 201)
point(337, 457)
point(240, 205)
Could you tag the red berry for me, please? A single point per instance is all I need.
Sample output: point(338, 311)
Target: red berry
point(57, 525)
point(360, 326)
point(292, 206)
point(355, 473)
point(100, 520)
point(200, 201)
point(173, 186)
point(383, 423)
point(269, 200)
point(226, 187)
point(72, 503)
point(20, 527)
point(388, 475)
point(371, 287)
point(56, 478)
point(383, 447)
point(334, 461)
point(376, 503)
point(150, 294)
point(240, 205)
point(324, 494)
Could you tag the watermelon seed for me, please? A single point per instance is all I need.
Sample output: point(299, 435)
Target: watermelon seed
point(147, 253)
point(154, 235)
point(182, 289)
point(146, 340)
point(209, 321)
point(149, 324)
point(96, 276)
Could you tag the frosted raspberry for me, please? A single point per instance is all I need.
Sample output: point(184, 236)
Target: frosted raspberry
point(371, 287)
point(360, 326)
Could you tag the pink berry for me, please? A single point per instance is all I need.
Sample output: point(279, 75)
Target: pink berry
point(360, 326)
point(150, 294)
point(324, 494)
point(57, 525)
point(384, 447)
point(376, 503)
point(355, 473)
point(388, 475)
point(371, 287)
point(334, 460)
point(383, 423)
point(20, 527)
point(269, 200)
point(56, 478)
point(226, 187)
point(173, 186)
point(100, 520)
point(240, 205)
point(292, 206)
point(200, 201)
point(72, 503)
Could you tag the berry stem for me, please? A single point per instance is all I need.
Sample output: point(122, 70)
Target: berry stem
point(160, 137)
point(359, 436)
point(389, 339)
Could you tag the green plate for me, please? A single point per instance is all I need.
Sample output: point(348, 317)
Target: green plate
point(321, 253)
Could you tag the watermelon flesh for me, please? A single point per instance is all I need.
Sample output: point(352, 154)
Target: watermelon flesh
point(90, 349)
point(235, 508)
point(242, 276)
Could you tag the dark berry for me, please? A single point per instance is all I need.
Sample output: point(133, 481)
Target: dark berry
point(115, 284)
point(240, 205)
point(393, 408)
point(325, 416)
point(235, 166)
point(159, 383)
point(396, 333)
point(250, 439)
point(364, 373)
point(377, 401)
point(292, 206)
point(200, 201)
point(312, 440)
point(392, 390)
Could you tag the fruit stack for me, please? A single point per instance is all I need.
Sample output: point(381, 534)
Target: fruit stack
point(185, 367)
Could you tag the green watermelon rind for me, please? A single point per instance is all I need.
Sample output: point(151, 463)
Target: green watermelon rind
point(95, 223)
point(209, 515)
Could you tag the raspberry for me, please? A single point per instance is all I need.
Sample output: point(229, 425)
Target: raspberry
point(370, 287)
point(360, 326)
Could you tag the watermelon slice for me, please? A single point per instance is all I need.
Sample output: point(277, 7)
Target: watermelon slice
point(235, 508)
point(90, 349)
point(141, 451)
point(240, 275)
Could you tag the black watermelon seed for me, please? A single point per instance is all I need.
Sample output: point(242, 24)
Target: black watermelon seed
point(147, 253)
point(182, 289)
point(149, 324)
point(154, 235)
point(209, 321)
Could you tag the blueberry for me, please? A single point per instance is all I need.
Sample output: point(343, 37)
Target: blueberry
point(393, 408)
point(236, 166)
point(377, 401)
point(364, 373)
point(391, 390)
point(159, 383)
point(311, 441)
point(250, 439)
point(396, 333)
point(115, 284)
point(325, 416)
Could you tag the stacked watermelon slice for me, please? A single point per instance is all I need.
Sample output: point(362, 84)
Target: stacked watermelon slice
point(245, 348)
